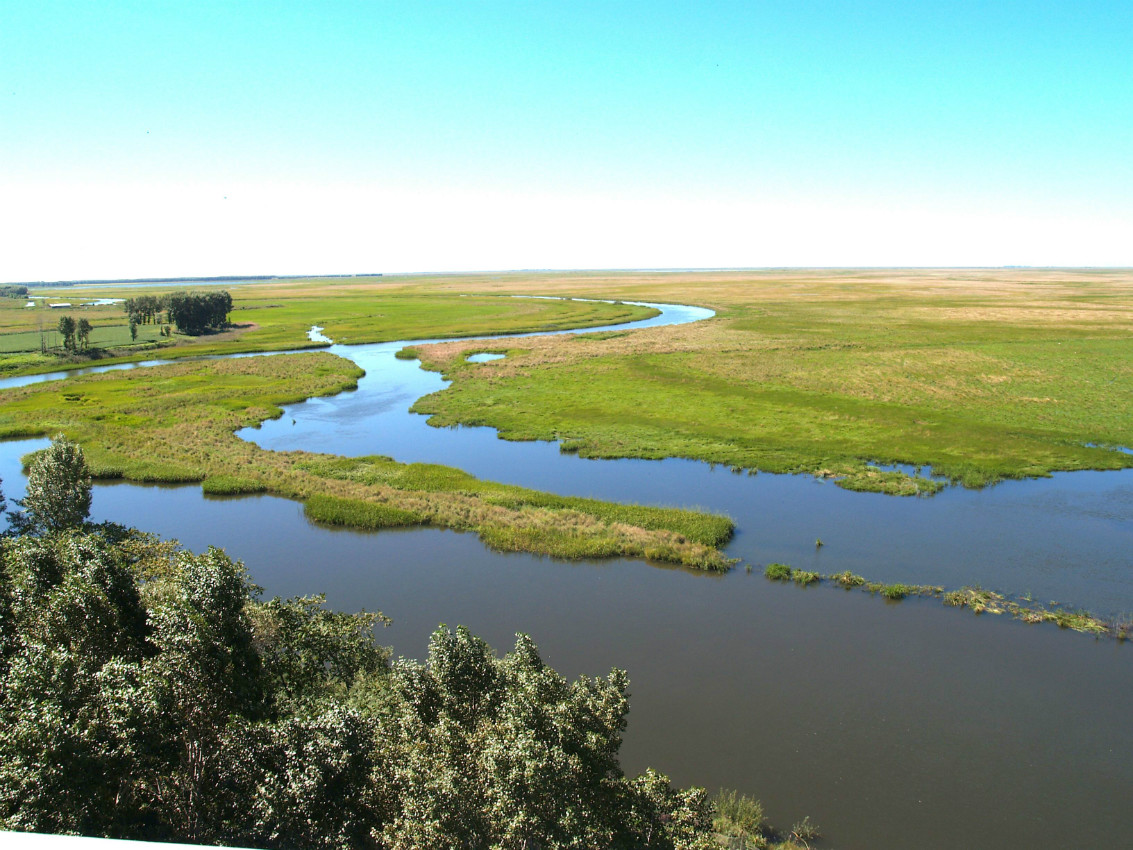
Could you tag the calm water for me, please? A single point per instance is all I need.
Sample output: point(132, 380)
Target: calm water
point(892, 725)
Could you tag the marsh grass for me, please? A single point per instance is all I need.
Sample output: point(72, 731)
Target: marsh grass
point(229, 485)
point(711, 530)
point(980, 376)
point(778, 572)
point(977, 599)
point(847, 579)
point(355, 513)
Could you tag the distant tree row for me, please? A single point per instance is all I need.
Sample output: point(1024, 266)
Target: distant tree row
point(192, 312)
point(12, 291)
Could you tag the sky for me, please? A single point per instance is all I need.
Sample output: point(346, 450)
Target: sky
point(163, 139)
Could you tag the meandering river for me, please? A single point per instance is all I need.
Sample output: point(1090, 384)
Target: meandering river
point(892, 725)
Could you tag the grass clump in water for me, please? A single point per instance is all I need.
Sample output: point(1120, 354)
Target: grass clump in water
point(847, 580)
point(805, 577)
point(891, 591)
point(975, 598)
point(783, 572)
point(778, 572)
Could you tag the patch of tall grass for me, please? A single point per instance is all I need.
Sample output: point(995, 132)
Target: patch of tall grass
point(230, 485)
point(355, 513)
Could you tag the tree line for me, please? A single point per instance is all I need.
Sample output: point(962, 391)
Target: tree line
point(148, 692)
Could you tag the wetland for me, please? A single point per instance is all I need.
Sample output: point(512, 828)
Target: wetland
point(892, 724)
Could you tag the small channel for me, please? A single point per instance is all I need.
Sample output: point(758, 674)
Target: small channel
point(891, 725)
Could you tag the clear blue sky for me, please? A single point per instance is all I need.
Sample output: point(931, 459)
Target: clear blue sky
point(165, 138)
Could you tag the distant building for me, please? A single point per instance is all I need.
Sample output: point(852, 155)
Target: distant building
point(60, 305)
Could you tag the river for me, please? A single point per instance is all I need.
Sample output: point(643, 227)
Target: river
point(891, 725)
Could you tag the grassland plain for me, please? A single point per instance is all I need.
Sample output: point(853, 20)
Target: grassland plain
point(274, 316)
point(977, 374)
point(176, 423)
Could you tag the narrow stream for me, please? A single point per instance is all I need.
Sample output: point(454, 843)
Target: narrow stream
point(892, 725)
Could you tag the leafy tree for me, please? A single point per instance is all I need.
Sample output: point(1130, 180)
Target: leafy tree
point(59, 487)
point(506, 753)
point(64, 757)
point(196, 312)
point(146, 308)
point(82, 334)
point(147, 692)
point(67, 330)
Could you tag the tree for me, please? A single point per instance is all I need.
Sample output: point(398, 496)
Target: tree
point(59, 487)
point(196, 312)
point(82, 334)
point(65, 750)
point(148, 693)
point(488, 752)
point(67, 329)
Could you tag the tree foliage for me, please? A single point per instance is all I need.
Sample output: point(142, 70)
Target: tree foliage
point(82, 334)
point(148, 692)
point(67, 329)
point(197, 312)
point(59, 487)
point(144, 309)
